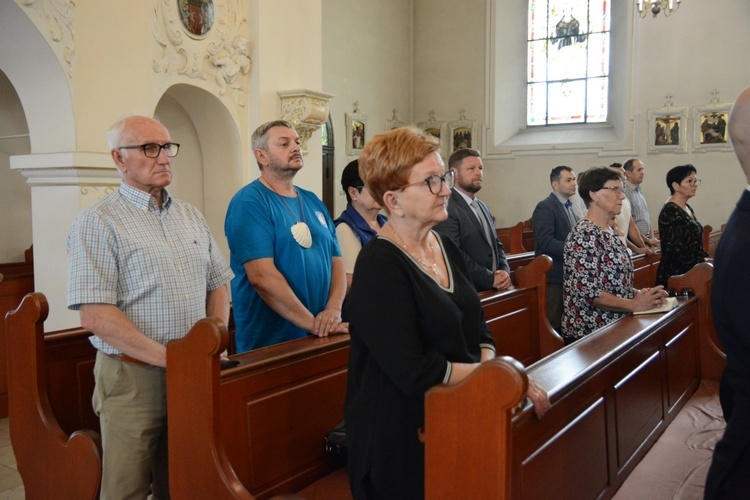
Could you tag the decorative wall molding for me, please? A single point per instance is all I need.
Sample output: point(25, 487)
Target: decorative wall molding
point(56, 16)
point(221, 57)
point(90, 194)
point(306, 110)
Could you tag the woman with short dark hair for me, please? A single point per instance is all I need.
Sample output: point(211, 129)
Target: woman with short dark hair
point(359, 222)
point(680, 232)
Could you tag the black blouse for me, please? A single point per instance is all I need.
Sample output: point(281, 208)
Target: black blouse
point(405, 328)
point(681, 242)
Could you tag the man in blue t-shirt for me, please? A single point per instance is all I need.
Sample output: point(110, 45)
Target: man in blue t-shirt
point(289, 274)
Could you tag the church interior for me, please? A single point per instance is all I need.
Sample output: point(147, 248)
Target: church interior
point(69, 69)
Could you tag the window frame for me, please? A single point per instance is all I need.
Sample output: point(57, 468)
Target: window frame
point(508, 133)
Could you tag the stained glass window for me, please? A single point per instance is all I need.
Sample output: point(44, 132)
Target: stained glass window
point(568, 61)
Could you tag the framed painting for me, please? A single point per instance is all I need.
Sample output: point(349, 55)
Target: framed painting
point(435, 128)
point(710, 128)
point(197, 16)
point(667, 130)
point(356, 128)
point(462, 134)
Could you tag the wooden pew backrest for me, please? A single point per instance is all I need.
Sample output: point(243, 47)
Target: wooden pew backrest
point(51, 464)
point(258, 429)
point(17, 281)
point(518, 317)
point(613, 393)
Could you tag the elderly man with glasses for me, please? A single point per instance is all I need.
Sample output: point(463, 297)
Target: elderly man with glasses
point(471, 226)
point(143, 268)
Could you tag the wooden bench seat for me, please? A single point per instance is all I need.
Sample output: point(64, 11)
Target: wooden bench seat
point(260, 424)
point(612, 393)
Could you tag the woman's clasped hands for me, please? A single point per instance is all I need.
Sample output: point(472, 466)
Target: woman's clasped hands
point(649, 298)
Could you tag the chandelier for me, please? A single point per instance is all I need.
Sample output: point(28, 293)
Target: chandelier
point(656, 6)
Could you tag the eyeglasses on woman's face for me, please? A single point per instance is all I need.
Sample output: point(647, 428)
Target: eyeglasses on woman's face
point(693, 182)
point(615, 189)
point(435, 182)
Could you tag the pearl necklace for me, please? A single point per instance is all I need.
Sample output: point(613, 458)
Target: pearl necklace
point(430, 267)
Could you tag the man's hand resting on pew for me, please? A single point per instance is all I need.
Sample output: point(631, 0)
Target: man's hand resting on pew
point(340, 328)
point(328, 322)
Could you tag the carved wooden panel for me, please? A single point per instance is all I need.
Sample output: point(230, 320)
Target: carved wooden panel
point(682, 365)
point(638, 407)
point(274, 418)
point(514, 324)
point(582, 444)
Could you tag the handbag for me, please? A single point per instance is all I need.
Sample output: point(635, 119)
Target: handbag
point(335, 441)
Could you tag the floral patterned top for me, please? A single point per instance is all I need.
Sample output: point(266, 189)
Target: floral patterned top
point(681, 242)
point(595, 261)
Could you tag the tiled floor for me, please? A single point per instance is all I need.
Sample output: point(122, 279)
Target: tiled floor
point(11, 487)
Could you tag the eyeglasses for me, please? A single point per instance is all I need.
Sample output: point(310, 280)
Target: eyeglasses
point(435, 182)
point(615, 189)
point(694, 182)
point(152, 150)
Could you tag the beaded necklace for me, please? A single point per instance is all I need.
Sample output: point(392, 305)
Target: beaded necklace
point(430, 267)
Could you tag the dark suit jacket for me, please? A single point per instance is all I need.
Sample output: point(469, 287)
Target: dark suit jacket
point(463, 227)
point(551, 227)
point(730, 297)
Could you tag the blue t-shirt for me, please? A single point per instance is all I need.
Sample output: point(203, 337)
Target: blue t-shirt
point(258, 225)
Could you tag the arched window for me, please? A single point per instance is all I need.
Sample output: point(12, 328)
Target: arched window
point(590, 113)
point(568, 52)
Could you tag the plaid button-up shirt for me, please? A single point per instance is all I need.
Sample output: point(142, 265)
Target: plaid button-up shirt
point(155, 265)
point(639, 208)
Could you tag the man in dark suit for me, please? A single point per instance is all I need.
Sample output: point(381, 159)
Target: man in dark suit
point(471, 226)
point(729, 475)
point(552, 220)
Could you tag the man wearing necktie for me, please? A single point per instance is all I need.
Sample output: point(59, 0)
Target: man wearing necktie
point(552, 220)
point(471, 226)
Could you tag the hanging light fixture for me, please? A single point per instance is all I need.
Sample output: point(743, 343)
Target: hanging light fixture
point(656, 6)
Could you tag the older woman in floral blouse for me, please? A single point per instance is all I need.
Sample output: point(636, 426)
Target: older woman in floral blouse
point(597, 270)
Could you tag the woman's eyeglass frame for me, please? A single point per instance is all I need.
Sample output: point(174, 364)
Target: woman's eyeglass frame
point(618, 190)
point(435, 182)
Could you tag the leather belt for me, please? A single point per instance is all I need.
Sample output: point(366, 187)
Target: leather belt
point(127, 359)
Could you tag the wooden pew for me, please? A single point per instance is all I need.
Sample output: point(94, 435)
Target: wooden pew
point(711, 239)
point(255, 430)
point(518, 317)
point(645, 267)
point(52, 463)
point(612, 393)
point(518, 238)
point(258, 429)
point(254, 434)
point(519, 259)
point(17, 280)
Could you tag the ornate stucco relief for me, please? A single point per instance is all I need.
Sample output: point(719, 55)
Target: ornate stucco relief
point(306, 110)
point(221, 57)
point(54, 19)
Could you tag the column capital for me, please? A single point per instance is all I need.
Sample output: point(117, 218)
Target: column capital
point(306, 110)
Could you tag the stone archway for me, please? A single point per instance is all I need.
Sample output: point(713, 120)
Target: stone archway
point(208, 169)
point(39, 80)
point(37, 117)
